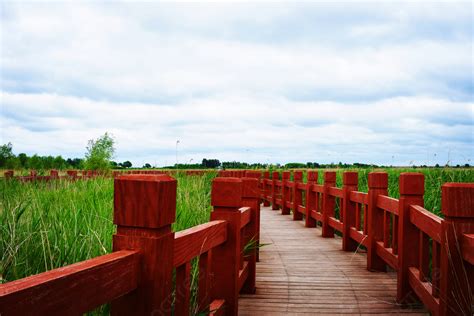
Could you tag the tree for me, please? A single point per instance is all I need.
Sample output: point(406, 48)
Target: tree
point(6, 152)
point(23, 160)
point(35, 162)
point(59, 162)
point(210, 163)
point(127, 164)
point(147, 166)
point(99, 153)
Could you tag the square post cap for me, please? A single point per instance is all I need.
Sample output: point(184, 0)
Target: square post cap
point(226, 192)
point(275, 175)
point(411, 183)
point(250, 188)
point(146, 201)
point(378, 180)
point(286, 175)
point(298, 175)
point(312, 176)
point(350, 178)
point(457, 199)
point(329, 176)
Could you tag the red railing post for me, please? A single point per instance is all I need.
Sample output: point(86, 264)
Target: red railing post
point(226, 198)
point(144, 209)
point(412, 188)
point(251, 198)
point(266, 193)
point(297, 195)
point(256, 175)
point(8, 174)
point(310, 198)
point(72, 174)
point(329, 203)
point(54, 174)
point(275, 178)
point(350, 182)
point(378, 184)
point(285, 192)
point(457, 275)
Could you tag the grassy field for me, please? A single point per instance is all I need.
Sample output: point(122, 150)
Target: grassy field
point(49, 225)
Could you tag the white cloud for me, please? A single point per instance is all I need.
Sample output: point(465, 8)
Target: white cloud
point(260, 82)
point(240, 128)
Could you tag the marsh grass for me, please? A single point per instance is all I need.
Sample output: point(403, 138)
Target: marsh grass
point(48, 225)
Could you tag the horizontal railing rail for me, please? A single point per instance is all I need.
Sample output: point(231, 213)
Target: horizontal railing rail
point(73, 289)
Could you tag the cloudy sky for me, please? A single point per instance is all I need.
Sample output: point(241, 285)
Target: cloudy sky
point(268, 82)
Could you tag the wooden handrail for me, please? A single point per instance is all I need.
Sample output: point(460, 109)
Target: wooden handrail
point(336, 192)
point(73, 289)
point(388, 204)
point(197, 240)
point(245, 216)
point(426, 221)
point(359, 197)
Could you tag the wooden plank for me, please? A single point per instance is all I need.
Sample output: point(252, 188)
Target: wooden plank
point(74, 289)
point(301, 273)
point(426, 221)
point(359, 197)
point(387, 255)
point(467, 247)
point(388, 204)
point(336, 192)
point(199, 239)
point(423, 290)
point(335, 223)
point(246, 213)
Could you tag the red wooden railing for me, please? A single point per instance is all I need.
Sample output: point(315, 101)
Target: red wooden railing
point(395, 232)
point(87, 174)
point(53, 175)
point(137, 278)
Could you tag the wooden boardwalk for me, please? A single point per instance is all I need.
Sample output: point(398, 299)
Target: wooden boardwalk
point(302, 273)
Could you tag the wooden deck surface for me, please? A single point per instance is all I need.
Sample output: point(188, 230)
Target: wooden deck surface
point(302, 273)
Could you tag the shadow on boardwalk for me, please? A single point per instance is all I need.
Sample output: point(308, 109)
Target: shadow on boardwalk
point(301, 272)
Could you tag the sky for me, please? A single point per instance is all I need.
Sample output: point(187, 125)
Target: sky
point(371, 82)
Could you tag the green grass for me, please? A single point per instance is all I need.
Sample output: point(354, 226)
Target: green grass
point(49, 225)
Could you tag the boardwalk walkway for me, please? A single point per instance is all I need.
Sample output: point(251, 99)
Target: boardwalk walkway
point(302, 273)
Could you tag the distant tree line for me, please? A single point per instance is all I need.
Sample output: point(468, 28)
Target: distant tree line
point(96, 160)
point(100, 151)
point(9, 160)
